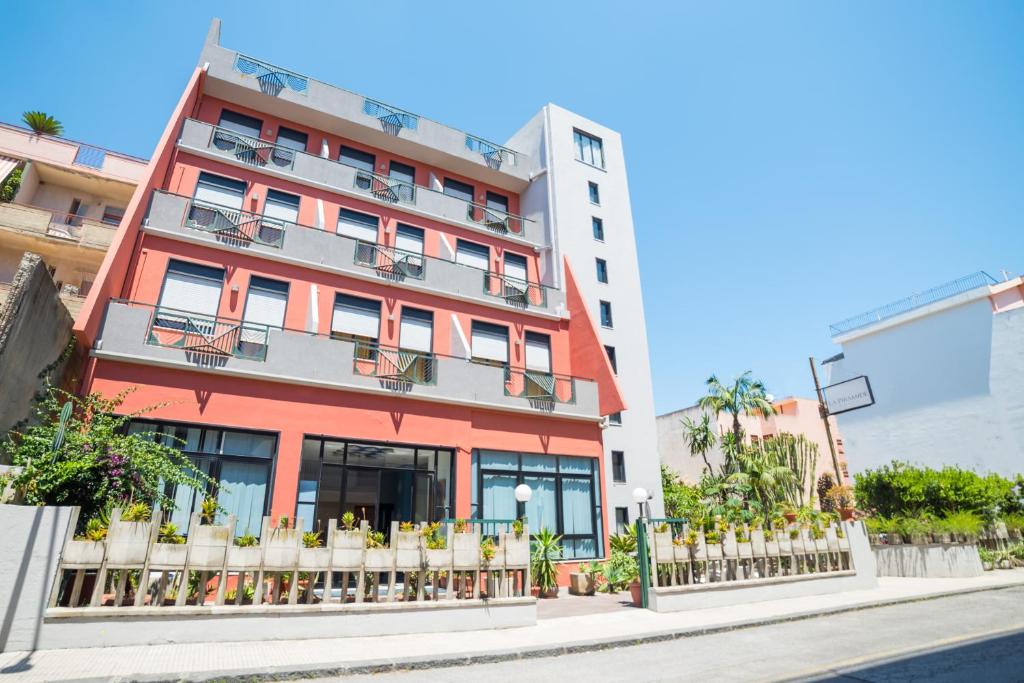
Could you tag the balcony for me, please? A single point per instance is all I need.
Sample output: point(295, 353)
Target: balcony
point(289, 95)
point(146, 334)
point(58, 227)
point(185, 219)
point(214, 142)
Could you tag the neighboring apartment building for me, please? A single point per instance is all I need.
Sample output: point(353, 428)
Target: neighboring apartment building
point(68, 206)
point(946, 371)
point(793, 415)
point(343, 306)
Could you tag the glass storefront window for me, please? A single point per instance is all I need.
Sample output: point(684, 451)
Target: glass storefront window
point(566, 496)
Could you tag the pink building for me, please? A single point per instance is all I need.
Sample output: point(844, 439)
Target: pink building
point(793, 415)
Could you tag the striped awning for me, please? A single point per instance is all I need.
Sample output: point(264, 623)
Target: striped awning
point(7, 164)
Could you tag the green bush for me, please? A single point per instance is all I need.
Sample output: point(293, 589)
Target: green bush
point(681, 499)
point(902, 489)
point(9, 187)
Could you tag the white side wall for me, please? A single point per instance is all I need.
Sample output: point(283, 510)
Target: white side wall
point(948, 387)
point(561, 197)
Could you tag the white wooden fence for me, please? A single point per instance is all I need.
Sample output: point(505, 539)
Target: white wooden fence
point(131, 568)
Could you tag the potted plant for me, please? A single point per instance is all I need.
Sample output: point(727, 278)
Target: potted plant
point(584, 581)
point(842, 500)
point(546, 551)
point(988, 559)
point(789, 512)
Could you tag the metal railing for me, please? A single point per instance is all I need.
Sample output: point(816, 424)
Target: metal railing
point(252, 151)
point(390, 262)
point(496, 220)
point(914, 301)
point(394, 364)
point(515, 292)
point(540, 387)
point(234, 225)
point(494, 155)
point(391, 190)
point(272, 79)
point(392, 119)
point(206, 335)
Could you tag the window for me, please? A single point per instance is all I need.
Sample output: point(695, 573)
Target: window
point(595, 193)
point(265, 305)
point(490, 343)
point(497, 202)
point(565, 496)
point(112, 215)
point(281, 207)
point(265, 302)
point(364, 161)
point(606, 314)
point(219, 190)
point(602, 270)
point(409, 240)
point(615, 419)
point(358, 320)
point(515, 267)
point(621, 520)
point(239, 462)
point(417, 330)
point(377, 482)
point(618, 467)
point(359, 226)
point(292, 139)
point(598, 227)
point(538, 353)
point(588, 148)
point(192, 287)
point(473, 254)
point(240, 123)
point(454, 188)
point(403, 172)
point(610, 350)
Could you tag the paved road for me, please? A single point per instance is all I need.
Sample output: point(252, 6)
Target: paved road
point(977, 638)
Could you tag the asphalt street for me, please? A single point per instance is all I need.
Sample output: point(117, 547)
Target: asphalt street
point(976, 637)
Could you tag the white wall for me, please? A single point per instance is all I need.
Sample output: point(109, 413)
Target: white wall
point(948, 387)
point(560, 197)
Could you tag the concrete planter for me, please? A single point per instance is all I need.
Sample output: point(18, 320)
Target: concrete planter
point(408, 556)
point(314, 559)
point(168, 556)
point(466, 551)
point(209, 544)
point(128, 543)
point(439, 559)
point(581, 584)
point(928, 561)
point(517, 549)
point(347, 549)
point(280, 549)
point(83, 553)
point(378, 560)
point(244, 558)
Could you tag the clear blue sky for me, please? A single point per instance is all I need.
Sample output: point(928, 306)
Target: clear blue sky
point(791, 164)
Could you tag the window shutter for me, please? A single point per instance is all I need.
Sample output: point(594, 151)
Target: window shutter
point(538, 352)
point(192, 288)
point(472, 254)
point(515, 266)
point(490, 342)
point(282, 206)
point(409, 239)
point(217, 190)
point(358, 226)
point(266, 302)
point(417, 330)
point(355, 316)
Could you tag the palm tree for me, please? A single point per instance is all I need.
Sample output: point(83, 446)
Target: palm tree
point(42, 123)
point(700, 437)
point(767, 474)
point(745, 395)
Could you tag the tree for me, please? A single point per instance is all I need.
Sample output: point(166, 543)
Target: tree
point(745, 396)
point(42, 123)
point(99, 465)
point(682, 501)
point(700, 437)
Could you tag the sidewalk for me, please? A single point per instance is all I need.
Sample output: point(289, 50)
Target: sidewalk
point(550, 636)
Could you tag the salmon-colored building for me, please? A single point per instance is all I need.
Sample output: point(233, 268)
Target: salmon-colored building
point(336, 305)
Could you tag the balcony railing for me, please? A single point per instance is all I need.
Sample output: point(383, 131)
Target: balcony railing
point(252, 151)
point(394, 364)
point(495, 220)
point(385, 189)
point(539, 387)
point(207, 337)
point(235, 226)
point(272, 79)
point(915, 301)
point(515, 292)
point(392, 119)
point(494, 155)
point(389, 262)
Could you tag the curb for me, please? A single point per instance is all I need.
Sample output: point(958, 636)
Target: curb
point(291, 673)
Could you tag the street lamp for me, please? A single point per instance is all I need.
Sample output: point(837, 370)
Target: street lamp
point(523, 495)
point(640, 497)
